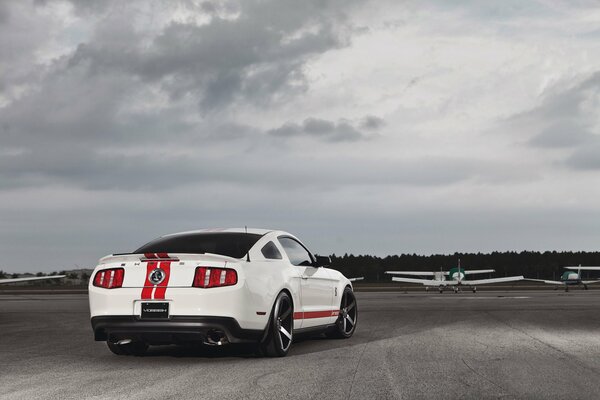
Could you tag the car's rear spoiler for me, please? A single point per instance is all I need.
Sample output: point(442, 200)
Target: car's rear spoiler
point(133, 257)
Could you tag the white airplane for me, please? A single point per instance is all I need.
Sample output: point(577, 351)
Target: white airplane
point(35, 278)
point(570, 278)
point(454, 278)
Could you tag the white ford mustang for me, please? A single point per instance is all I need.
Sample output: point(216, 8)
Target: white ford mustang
point(217, 287)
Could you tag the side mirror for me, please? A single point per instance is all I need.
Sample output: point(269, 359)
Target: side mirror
point(322, 261)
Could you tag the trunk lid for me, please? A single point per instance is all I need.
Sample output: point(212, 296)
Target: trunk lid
point(164, 270)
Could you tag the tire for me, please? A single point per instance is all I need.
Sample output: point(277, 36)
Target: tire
point(133, 348)
point(280, 329)
point(348, 317)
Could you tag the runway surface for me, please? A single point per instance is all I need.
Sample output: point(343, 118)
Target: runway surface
point(525, 345)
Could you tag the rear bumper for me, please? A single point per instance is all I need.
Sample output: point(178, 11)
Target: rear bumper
point(177, 329)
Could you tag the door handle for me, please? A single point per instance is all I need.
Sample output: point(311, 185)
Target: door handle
point(305, 277)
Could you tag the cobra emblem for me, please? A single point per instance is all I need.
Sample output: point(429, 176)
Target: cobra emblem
point(157, 276)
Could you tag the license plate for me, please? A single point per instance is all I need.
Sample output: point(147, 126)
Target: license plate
point(155, 310)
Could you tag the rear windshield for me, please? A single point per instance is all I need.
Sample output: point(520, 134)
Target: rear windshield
point(231, 244)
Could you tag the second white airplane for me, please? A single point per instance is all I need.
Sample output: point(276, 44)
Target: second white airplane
point(571, 278)
point(35, 278)
point(455, 278)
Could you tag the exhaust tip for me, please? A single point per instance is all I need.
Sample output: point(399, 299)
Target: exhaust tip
point(215, 337)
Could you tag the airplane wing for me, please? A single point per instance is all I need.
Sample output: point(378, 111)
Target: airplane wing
point(413, 273)
point(425, 282)
point(492, 280)
point(545, 281)
point(35, 278)
point(356, 279)
point(589, 268)
point(590, 282)
point(478, 271)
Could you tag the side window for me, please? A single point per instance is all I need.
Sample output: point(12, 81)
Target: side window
point(270, 251)
point(295, 252)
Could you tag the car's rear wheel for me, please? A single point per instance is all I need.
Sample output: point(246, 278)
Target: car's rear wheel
point(133, 348)
point(348, 317)
point(280, 330)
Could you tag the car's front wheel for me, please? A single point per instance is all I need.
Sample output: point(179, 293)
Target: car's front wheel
point(280, 330)
point(348, 317)
point(131, 348)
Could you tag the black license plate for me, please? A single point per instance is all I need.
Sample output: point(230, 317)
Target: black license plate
point(155, 310)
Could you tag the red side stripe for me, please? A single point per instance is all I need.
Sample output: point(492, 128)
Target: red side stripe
point(148, 286)
point(316, 314)
point(161, 289)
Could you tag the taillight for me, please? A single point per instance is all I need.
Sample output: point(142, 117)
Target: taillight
point(207, 277)
point(109, 278)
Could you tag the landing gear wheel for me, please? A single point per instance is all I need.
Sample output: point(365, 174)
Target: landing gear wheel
point(474, 290)
point(133, 348)
point(346, 322)
point(280, 329)
point(455, 290)
point(441, 290)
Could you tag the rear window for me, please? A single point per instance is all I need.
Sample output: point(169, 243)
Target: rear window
point(231, 244)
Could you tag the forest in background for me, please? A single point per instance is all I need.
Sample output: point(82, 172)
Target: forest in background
point(530, 264)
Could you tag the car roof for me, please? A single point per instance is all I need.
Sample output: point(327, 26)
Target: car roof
point(256, 231)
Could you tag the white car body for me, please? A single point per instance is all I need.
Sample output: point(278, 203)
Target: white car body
point(242, 310)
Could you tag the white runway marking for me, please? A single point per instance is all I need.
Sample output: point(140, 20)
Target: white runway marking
point(481, 298)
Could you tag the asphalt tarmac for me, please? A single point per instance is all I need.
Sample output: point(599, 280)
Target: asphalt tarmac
point(524, 345)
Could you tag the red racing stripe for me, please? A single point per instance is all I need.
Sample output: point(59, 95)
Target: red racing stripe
point(147, 289)
point(316, 314)
point(161, 289)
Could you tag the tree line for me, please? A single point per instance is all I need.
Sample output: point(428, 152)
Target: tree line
point(531, 264)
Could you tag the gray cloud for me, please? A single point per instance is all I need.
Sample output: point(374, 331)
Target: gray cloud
point(567, 120)
point(4, 13)
point(163, 170)
point(585, 158)
point(564, 134)
point(124, 88)
point(328, 131)
point(371, 122)
point(256, 56)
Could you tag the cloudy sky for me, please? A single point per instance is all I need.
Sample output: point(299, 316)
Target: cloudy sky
point(376, 127)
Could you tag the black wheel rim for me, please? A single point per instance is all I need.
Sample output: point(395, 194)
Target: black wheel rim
point(284, 320)
point(348, 313)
